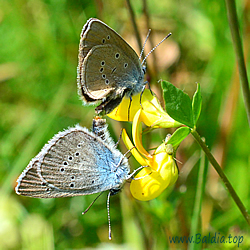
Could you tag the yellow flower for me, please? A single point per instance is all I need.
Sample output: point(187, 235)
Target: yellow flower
point(152, 114)
point(161, 171)
point(160, 168)
point(149, 183)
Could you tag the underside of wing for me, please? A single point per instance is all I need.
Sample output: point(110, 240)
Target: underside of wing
point(31, 184)
point(96, 32)
point(107, 64)
point(74, 162)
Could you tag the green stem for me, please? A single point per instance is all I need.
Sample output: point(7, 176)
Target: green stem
point(132, 15)
point(222, 175)
point(196, 220)
point(234, 27)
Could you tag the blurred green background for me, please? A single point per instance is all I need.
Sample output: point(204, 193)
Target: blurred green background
point(38, 98)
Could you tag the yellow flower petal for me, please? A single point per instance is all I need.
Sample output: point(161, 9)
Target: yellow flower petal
point(120, 113)
point(155, 119)
point(153, 182)
point(134, 151)
point(137, 134)
point(152, 114)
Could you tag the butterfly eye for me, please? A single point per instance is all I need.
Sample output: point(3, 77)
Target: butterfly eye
point(117, 55)
point(102, 63)
point(108, 37)
point(103, 40)
point(101, 70)
point(65, 163)
point(125, 65)
point(62, 169)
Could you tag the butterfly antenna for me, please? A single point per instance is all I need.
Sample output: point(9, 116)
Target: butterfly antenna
point(108, 199)
point(92, 203)
point(143, 47)
point(156, 47)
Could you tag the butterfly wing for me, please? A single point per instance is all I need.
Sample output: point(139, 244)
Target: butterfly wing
point(96, 32)
point(107, 65)
point(74, 162)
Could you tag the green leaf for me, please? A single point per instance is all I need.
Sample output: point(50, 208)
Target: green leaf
point(178, 136)
point(196, 104)
point(178, 104)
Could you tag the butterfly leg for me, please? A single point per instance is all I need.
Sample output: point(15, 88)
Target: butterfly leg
point(143, 88)
point(109, 104)
point(124, 157)
point(131, 175)
point(87, 209)
point(119, 139)
point(129, 106)
point(138, 178)
point(153, 94)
